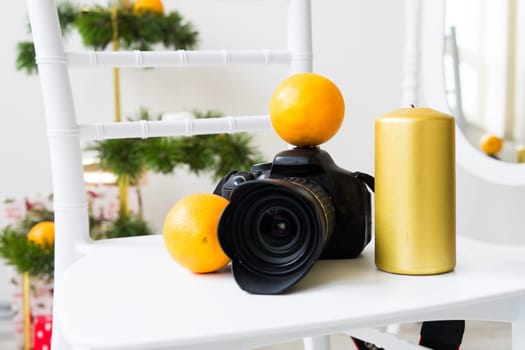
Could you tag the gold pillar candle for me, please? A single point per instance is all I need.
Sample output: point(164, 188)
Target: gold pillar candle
point(520, 154)
point(415, 211)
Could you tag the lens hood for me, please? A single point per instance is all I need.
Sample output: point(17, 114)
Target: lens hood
point(256, 283)
point(274, 230)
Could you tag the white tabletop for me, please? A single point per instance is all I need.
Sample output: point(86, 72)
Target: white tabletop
point(140, 295)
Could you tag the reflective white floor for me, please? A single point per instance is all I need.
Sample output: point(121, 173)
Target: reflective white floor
point(478, 336)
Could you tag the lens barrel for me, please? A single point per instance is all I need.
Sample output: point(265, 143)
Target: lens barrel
point(274, 230)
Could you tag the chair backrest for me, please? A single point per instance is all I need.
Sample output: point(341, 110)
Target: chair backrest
point(65, 133)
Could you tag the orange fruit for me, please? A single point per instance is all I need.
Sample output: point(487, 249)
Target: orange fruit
point(307, 109)
point(190, 232)
point(491, 144)
point(140, 6)
point(42, 233)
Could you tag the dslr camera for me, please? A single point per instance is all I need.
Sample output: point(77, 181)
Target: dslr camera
point(285, 215)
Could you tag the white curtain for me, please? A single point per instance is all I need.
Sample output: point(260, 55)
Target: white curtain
point(519, 120)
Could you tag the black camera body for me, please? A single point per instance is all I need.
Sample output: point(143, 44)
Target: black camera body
point(285, 215)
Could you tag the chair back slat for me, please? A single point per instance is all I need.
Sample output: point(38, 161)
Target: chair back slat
point(185, 127)
point(177, 58)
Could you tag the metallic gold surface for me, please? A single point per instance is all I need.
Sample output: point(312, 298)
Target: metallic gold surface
point(415, 211)
point(116, 71)
point(27, 311)
point(520, 154)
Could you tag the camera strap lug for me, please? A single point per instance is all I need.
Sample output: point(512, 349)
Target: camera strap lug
point(367, 179)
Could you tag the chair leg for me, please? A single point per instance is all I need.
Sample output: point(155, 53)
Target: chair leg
point(58, 342)
point(317, 343)
point(518, 326)
point(518, 334)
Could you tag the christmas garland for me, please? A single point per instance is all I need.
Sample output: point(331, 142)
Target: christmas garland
point(24, 254)
point(135, 31)
point(38, 259)
point(216, 154)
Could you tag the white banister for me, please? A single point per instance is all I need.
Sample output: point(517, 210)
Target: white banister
point(300, 36)
point(185, 127)
point(70, 207)
point(71, 216)
point(178, 58)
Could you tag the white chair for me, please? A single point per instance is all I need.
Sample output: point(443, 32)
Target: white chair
point(128, 294)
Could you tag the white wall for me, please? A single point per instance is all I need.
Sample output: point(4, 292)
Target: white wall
point(356, 43)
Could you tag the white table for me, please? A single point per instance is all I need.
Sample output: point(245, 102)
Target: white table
point(153, 298)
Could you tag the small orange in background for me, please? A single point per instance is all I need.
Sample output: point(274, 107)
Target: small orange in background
point(42, 233)
point(491, 144)
point(190, 232)
point(141, 6)
point(307, 109)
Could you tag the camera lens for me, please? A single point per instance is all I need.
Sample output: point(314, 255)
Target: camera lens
point(275, 229)
point(273, 233)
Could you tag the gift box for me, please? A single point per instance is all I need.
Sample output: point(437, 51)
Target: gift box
point(42, 329)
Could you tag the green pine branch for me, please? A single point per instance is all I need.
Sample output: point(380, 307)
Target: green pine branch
point(128, 226)
point(25, 59)
point(25, 255)
point(136, 31)
point(67, 13)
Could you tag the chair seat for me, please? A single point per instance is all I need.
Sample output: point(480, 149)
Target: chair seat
point(149, 302)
